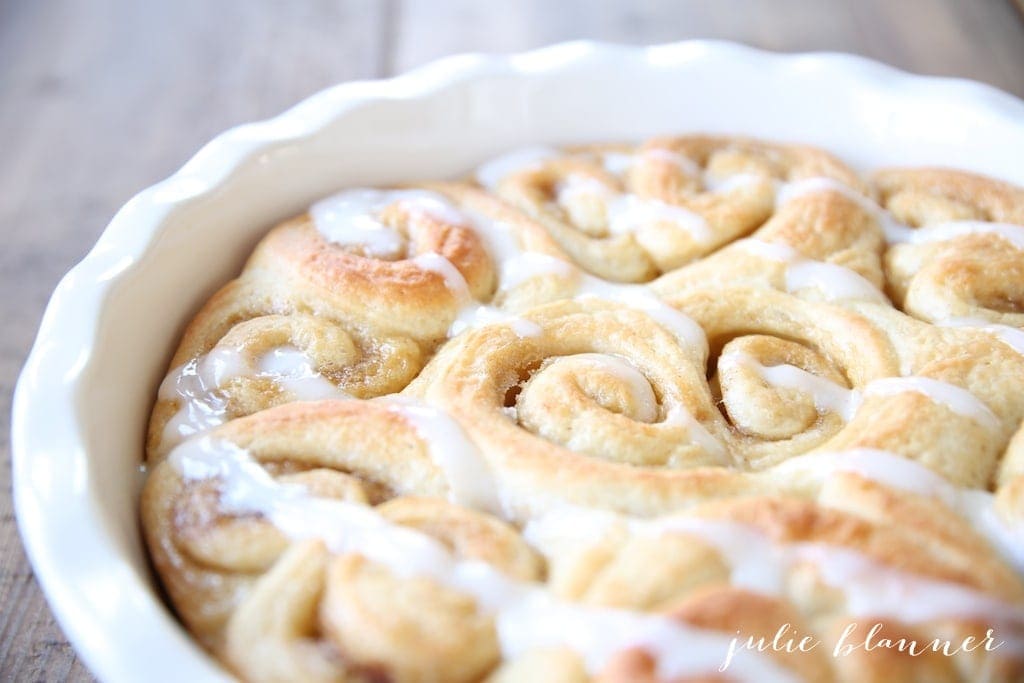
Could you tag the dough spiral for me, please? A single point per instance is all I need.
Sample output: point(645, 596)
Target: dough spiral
point(595, 413)
point(347, 300)
point(629, 214)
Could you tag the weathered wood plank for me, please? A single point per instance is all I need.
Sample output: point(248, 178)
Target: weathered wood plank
point(99, 99)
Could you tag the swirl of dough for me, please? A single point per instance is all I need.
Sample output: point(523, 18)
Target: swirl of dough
point(629, 214)
point(831, 551)
point(963, 256)
point(446, 243)
point(348, 300)
point(752, 376)
point(625, 396)
point(947, 397)
point(627, 417)
point(788, 373)
point(328, 617)
point(524, 471)
point(824, 242)
point(225, 566)
point(268, 360)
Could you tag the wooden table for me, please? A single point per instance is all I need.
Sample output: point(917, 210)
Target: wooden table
point(100, 98)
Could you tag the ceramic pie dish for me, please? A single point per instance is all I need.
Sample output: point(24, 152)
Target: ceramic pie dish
point(82, 402)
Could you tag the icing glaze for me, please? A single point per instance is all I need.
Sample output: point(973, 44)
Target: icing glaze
point(526, 615)
point(829, 396)
point(641, 298)
point(644, 400)
point(352, 218)
point(626, 212)
point(760, 564)
point(1011, 336)
point(958, 400)
point(469, 477)
point(197, 386)
point(494, 171)
point(899, 472)
point(835, 282)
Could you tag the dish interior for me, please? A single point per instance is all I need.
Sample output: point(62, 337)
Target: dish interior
point(437, 123)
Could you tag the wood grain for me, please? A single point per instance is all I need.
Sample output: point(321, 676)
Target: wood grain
point(99, 98)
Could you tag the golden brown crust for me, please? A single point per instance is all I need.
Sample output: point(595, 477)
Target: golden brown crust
point(693, 466)
point(971, 275)
point(919, 196)
point(664, 170)
point(367, 324)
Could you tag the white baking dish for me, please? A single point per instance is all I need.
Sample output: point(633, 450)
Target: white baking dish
point(83, 399)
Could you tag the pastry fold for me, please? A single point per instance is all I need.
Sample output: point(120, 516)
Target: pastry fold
point(654, 412)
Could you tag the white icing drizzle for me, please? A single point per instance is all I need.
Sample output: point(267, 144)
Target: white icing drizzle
point(575, 187)
point(567, 525)
point(958, 400)
point(783, 253)
point(513, 264)
point(787, 192)
point(893, 230)
point(530, 264)
point(680, 161)
point(1011, 336)
point(194, 385)
point(598, 633)
point(828, 396)
point(491, 173)
point(471, 313)
point(453, 279)
point(626, 212)
point(618, 164)
point(896, 232)
point(835, 282)
point(942, 232)
point(678, 415)
point(644, 400)
point(641, 298)
point(896, 471)
point(526, 615)
point(197, 386)
point(471, 317)
point(629, 212)
point(470, 480)
point(351, 218)
point(735, 181)
point(293, 372)
point(879, 590)
point(760, 564)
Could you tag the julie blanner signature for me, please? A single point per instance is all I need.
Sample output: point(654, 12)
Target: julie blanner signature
point(855, 638)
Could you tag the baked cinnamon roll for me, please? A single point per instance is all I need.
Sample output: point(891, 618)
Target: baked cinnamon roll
point(690, 410)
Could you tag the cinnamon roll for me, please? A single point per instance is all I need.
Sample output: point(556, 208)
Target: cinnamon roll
point(348, 300)
point(628, 214)
point(696, 409)
point(958, 251)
